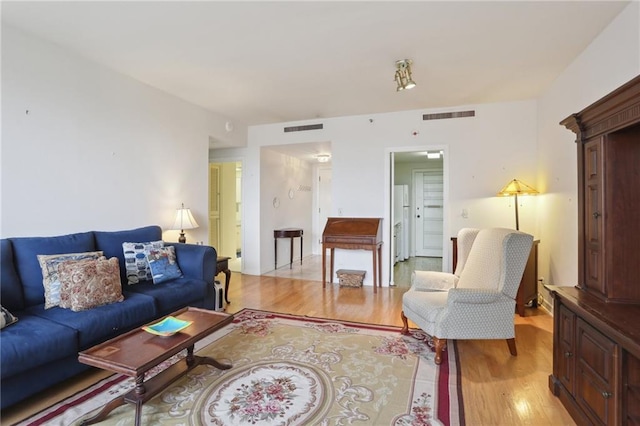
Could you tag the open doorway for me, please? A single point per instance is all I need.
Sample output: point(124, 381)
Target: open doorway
point(225, 211)
point(418, 203)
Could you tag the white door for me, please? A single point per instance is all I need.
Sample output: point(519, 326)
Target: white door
point(324, 204)
point(428, 212)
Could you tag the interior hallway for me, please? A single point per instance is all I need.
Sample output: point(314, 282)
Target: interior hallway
point(311, 269)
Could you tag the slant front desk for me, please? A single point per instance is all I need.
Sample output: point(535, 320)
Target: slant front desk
point(353, 233)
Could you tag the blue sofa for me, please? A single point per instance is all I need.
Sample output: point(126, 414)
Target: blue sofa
point(41, 348)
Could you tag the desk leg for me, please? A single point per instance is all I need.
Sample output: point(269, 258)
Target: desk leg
point(291, 253)
point(332, 257)
point(275, 253)
point(380, 266)
point(324, 267)
point(374, 270)
point(300, 249)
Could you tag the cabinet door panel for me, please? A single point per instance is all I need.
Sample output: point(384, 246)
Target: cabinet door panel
point(593, 216)
point(631, 377)
point(566, 355)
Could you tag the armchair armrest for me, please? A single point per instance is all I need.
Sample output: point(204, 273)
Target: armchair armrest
point(196, 261)
point(433, 281)
point(473, 295)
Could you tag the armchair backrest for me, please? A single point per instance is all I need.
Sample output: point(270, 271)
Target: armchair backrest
point(497, 260)
point(466, 236)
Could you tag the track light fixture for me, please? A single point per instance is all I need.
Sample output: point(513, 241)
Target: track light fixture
point(403, 75)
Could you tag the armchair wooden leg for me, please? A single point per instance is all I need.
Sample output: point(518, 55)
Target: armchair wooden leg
point(440, 344)
point(405, 326)
point(512, 347)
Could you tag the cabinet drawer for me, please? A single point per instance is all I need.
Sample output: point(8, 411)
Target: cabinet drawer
point(595, 351)
point(596, 376)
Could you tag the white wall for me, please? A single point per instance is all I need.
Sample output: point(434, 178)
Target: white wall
point(280, 174)
point(85, 148)
point(611, 60)
point(485, 152)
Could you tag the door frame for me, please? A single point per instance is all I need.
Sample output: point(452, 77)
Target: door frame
point(389, 177)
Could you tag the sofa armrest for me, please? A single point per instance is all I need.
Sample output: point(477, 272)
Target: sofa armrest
point(196, 261)
point(473, 295)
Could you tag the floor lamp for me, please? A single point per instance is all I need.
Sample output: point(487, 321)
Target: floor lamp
point(515, 188)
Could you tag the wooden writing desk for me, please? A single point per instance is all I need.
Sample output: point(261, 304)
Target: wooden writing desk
point(353, 234)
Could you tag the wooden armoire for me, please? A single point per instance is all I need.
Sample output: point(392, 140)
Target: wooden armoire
point(596, 342)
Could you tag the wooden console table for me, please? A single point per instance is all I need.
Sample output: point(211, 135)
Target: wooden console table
point(222, 266)
point(528, 289)
point(290, 233)
point(353, 234)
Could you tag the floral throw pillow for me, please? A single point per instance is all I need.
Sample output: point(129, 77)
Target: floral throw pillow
point(135, 260)
point(89, 283)
point(50, 281)
point(6, 317)
point(163, 265)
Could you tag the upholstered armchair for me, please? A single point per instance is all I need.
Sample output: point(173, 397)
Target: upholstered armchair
point(478, 300)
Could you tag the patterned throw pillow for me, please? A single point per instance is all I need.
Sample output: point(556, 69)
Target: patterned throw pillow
point(163, 265)
point(6, 318)
point(89, 283)
point(50, 281)
point(135, 260)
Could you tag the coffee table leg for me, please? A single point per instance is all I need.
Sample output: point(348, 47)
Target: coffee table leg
point(217, 364)
point(104, 412)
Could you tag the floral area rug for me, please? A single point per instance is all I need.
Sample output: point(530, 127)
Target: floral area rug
point(290, 370)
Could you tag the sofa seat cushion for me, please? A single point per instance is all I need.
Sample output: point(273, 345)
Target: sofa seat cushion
point(172, 295)
point(102, 322)
point(34, 341)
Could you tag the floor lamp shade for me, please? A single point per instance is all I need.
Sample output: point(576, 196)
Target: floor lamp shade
point(515, 188)
point(184, 220)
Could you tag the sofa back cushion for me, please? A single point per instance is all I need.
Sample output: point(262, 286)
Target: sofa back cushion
point(10, 286)
point(110, 242)
point(26, 251)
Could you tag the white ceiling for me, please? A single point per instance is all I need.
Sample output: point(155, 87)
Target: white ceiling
point(264, 62)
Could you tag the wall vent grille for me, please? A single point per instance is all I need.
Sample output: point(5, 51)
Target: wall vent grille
point(443, 115)
point(303, 128)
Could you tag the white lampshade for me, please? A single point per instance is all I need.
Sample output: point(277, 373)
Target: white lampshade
point(184, 219)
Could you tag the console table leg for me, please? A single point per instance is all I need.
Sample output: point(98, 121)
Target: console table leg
point(291, 253)
point(227, 279)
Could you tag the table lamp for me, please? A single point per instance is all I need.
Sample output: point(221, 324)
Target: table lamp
point(184, 220)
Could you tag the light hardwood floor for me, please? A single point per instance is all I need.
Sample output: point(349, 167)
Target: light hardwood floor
point(498, 389)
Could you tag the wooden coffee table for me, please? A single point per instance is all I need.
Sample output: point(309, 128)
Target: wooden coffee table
point(136, 352)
